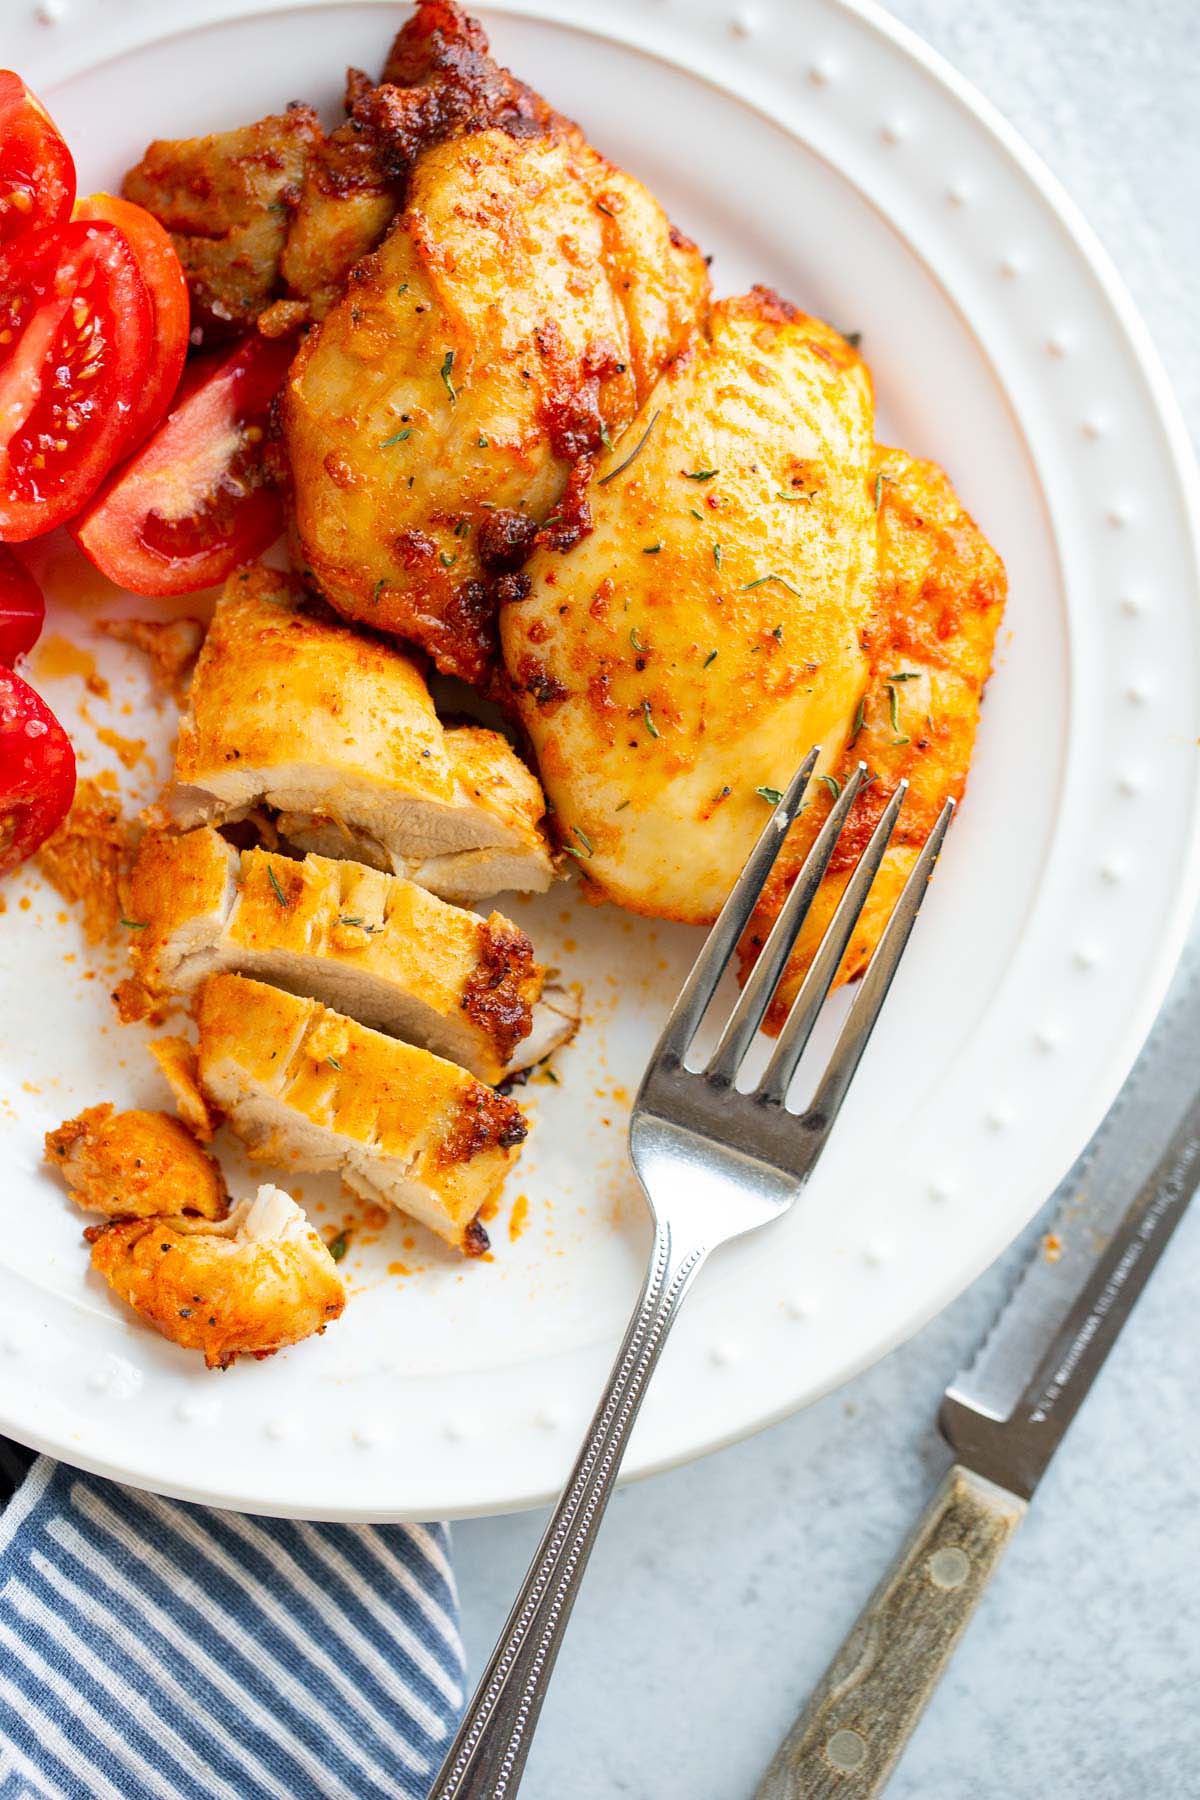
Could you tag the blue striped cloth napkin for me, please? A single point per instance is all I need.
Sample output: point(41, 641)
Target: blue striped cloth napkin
point(150, 1649)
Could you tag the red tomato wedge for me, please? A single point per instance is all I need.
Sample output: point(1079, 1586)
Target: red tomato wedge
point(75, 327)
point(22, 609)
point(37, 176)
point(37, 771)
point(196, 500)
point(163, 275)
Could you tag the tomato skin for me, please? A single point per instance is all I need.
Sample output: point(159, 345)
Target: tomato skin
point(37, 175)
point(77, 319)
point(22, 609)
point(195, 502)
point(163, 275)
point(37, 771)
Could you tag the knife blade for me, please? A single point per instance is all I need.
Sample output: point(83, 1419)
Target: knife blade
point(1005, 1415)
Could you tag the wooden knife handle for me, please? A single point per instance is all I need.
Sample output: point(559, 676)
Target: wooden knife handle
point(849, 1739)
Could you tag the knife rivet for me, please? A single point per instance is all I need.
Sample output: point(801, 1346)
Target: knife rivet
point(846, 1750)
point(950, 1567)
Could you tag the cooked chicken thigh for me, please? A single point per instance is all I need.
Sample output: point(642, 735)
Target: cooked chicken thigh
point(760, 578)
point(337, 733)
point(516, 315)
point(135, 1165)
point(309, 1089)
point(684, 656)
point(247, 1285)
point(373, 945)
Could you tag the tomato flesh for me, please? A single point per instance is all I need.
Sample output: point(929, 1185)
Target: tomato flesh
point(75, 327)
point(22, 609)
point(37, 771)
point(166, 285)
point(197, 500)
point(37, 175)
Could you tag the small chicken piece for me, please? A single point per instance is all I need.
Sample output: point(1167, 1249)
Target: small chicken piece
point(305, 1088)
point(439, 82)
point(86, 857)
point(226, 200)
point(372, 945)
point(337, 733)
point(673, 668)
point(176, 1059)
point(249, 1285)
point(172, 646)
point(942, 593)
point(135, 1165)
point(517, 313)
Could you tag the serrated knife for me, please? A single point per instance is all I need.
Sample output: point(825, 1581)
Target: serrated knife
point(1004, 1417)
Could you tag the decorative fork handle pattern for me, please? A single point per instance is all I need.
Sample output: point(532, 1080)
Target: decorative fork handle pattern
point(487, 1759)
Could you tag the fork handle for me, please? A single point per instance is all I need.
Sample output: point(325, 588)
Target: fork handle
point(849, 1738)
point(487, 1759)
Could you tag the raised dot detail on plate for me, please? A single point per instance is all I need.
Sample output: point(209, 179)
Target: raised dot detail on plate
point(1057, 346)
point(958, 193)
point(1084, 957)
point(116, 1376)
point(1011, 267)
point(745, 22)
point(1111, 873)
point(798, 1306)
point(893, 132)
point(722, 1355)
point(1117, 515)
point(547, 1419)
point(996, 1119)
point(1092, 428)
point(49, 12)
point(367, 1435)
point(198, 1410)
point(821, 73)
point(1128, 786)
point(1045, 1040)
point(1136, 694)
point(278, 1430)
point(876, 1253)
point(939, 1192)
point(1131, 606)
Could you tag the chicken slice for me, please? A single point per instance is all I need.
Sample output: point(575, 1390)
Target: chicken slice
point(517, 313)
point(338, 734)
point(942, 592)
point(440, 82)
point(305, 1088)
point(87, 856)
point(135, 1165)
point(176, 1059)
point(673, 667)
point(372, 945)
point(247, 1286)
point(226, 200)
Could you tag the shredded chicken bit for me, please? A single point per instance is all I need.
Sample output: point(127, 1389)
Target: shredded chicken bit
point(87, 856)
point(228, 1283)
point(246, 1285)
point(135, 1165)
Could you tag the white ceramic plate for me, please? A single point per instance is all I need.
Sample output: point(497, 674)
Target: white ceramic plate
point(819, 148)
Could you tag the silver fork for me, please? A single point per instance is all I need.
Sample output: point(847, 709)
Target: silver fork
point(714, 1163)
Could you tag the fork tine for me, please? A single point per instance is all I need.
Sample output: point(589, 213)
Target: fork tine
point(814, 988)
point(755, 997)
point(734, 916)
point(868, 1002)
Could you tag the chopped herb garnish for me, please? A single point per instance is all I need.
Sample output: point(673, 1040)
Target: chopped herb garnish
point(398, 439)
point(279, 893)
point(858, 720)
point(339, 1246)
point(893, 707)
point(482, 441)
point(447, 562)
point(779, 578)
point(463, 528)
point(696, 513)
point(636, 451)
point(651, 727)
point(605, 436)
point(717, 555)
point(134, 924)
point(584, 839)
point(606, 210)
point(879, 481)
point(777, 634)
point(902, 740)
point(334, 1063)
point(360, 924)
point(551, 1076)
point(635, 640)
point(622, 806)
point(379, 586)
point(651, 549)
point(853, 338)
point(698, 474)
point(402, 289)
point(906, 675)
point(771, 795)
point(791, 497)
point(445, 372)
point(710, 658)
point(832, 783)
point(570, 850)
